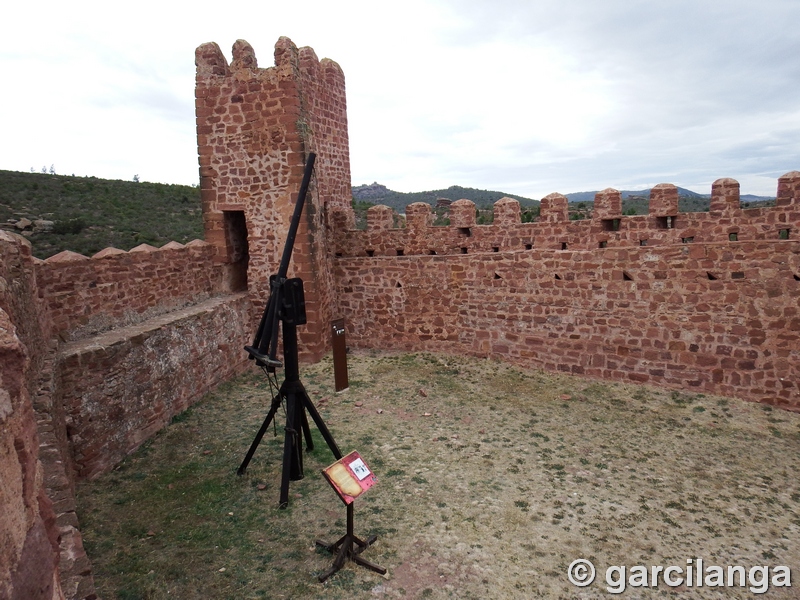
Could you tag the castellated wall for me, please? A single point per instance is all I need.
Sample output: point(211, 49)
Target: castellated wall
point(99, 354)
point(704, 301)
point(698, 301)
point(143, 334)
point(255, 128)
point(112, 289)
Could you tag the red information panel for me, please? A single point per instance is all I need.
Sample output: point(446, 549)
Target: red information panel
point(350, 477)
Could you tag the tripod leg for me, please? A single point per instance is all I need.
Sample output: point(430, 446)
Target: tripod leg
point(290, 451)
point(300, 424)
point(276, 402)
point(306, 428)
point(323, 429)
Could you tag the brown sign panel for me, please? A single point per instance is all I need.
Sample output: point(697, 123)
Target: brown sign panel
point(339, 355)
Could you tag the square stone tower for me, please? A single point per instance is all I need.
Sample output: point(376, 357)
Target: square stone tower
point(255, 128)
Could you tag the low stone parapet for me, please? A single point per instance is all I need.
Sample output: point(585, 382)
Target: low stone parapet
point(120, 387)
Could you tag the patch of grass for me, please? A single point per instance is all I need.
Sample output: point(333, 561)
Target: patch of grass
point(469, 485)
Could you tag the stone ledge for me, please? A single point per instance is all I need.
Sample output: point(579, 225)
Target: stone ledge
point(120, 387)
point(144, 329)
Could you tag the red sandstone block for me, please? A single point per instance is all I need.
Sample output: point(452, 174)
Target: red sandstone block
point(607, 205)
point(724, 195)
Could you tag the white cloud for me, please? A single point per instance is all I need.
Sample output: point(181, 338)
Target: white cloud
point(518, 96)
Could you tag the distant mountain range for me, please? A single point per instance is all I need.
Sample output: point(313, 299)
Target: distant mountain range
point(682, 192)
point(589, 196)
point(376, 193)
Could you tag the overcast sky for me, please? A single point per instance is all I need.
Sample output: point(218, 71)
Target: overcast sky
point(525, 97)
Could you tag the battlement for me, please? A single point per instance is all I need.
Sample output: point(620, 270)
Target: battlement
point(255, 128)
point(705, 301)
point(726, 221)
point(114, 288)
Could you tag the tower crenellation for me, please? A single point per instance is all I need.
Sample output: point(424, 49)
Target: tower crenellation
point(789, 190)
point(663, 200)
point(725, 197)
point(554, 208)
point(607, 205)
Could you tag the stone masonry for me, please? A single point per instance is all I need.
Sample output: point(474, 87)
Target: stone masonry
point(98, 353)
point(698, 301)
point(254, 129)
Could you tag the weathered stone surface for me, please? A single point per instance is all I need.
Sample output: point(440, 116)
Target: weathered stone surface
point(28, 534)
point(255, 129)
point(718, 318)
point(34, 577)
point(115, 288)
point(118, 388)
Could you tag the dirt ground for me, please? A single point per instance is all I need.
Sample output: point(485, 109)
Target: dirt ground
point(491, 481)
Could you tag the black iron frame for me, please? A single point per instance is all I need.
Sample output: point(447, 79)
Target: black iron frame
point(287, 307)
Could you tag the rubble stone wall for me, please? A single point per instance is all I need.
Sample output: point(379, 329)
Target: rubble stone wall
point(29, 536)
point(142, 335)
point(120, 387)
point(97, 355)
point(86, 296)
point(705, 301)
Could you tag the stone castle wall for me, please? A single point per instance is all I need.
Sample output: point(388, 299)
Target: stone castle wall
point(29, 537)
point(700, 301)
point(113, 288)
point(98, 354)
point(120, 387)
point(704, 301)
point(143, 334)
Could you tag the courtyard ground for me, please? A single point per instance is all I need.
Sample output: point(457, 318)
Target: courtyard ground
point(491, 481)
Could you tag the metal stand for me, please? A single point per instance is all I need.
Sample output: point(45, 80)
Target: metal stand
point(349, 547)
point(287, 305)
point(297, 403)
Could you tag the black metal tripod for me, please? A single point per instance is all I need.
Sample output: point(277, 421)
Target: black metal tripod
point(297, 403)
point(287, 305)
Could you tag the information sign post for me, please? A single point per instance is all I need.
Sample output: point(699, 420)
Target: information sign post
point(349, 477)
point(339, 355)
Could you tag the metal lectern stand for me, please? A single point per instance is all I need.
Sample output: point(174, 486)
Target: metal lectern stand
point(349, 547)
